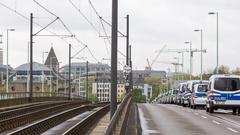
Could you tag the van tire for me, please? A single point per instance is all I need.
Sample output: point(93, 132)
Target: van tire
point(211, 109)
point(234, 111)
point(194, 107)
point(207, 109)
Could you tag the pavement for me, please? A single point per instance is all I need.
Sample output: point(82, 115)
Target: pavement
point(165, 119)
point(133, 126)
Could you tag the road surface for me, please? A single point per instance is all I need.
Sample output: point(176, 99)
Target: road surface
point(165, 119)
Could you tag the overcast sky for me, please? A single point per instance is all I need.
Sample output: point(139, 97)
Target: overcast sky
point(153, 23)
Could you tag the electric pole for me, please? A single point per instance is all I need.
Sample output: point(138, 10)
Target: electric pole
point(127, 54)
point(114, 58)
point(31, 58)
point(69, 74)
point(130, 59)
point(87, 80)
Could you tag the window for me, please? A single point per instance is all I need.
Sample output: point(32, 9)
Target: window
point(77, 69)
point(227, 84)
point(202, 88)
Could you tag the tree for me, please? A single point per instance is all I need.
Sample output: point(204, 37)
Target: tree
point(138, 97)
point(222, 70)
point(236, 71)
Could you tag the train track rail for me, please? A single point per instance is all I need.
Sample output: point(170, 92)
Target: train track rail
point(20, 120)
point(52, 121)
point(20, 111)
point(84, 126)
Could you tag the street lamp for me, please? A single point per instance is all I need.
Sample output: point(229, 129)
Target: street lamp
point(43, 73)
point(7, 58)
point(182, 64)
point(216, 13)
point(200, 30)
point(191, 55)
point(177, 67)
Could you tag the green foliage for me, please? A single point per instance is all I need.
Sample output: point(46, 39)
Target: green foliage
point(93, 97)
point(138, 97)
point(222, 70)
point(236, 71)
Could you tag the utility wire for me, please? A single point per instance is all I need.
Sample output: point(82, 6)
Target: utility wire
point(85, 17)
point(102, 20)
point(27, 18)
point(65, 26)
point(92, 25)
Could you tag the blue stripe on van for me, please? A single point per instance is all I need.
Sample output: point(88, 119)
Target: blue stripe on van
point(202, 94)
point(227, 96)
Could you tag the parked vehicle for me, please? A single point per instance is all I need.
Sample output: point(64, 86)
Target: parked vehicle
point(223, 92)
point(181, 90)
point(199, 95)
point(186, 97)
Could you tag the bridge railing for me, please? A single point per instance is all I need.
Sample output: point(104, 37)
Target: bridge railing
point(118, 122)
point(17, 95)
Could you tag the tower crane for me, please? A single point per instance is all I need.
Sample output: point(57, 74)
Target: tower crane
point(182, 51)
point(149, 66)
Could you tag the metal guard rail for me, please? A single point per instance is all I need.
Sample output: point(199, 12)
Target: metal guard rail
point(117, 115)
point(17, 95)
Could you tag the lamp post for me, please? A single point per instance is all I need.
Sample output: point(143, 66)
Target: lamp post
point(58, 75)
point(7, 59)
point(182, 65)
point(177, 68)
point(216, 13)
point(191, 55)
point(42, 72)
point(201, 32)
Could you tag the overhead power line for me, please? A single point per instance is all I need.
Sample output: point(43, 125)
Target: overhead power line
point(102, 20)
point(65, 26)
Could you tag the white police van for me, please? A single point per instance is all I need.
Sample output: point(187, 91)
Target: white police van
point(223, 92)
point(186, 98)
point(199, 95)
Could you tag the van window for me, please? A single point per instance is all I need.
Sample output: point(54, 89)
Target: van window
point(202, 88)
point(184, 87)
point(227, 84)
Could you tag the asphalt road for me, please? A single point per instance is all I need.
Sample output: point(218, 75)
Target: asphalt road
point(165, 119)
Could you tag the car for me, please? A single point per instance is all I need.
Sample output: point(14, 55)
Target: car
point(223, 93)
point(199, 95)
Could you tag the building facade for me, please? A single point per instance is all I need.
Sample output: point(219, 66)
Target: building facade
point(103, 91)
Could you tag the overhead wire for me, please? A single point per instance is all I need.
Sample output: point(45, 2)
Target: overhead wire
point(92, 25)
point(102, 20)
point(65, 26)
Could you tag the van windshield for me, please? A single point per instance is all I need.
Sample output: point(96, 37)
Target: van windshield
point(227, 84)
point(202, 88)
point(184, 87)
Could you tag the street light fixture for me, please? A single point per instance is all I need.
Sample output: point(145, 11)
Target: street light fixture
point(191, 55)
point(216, 13)
point(200, 30)
point(7, 59)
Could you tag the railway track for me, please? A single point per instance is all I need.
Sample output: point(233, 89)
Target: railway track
point(40, 113)
point(19, 111)
point(54, 120)
point(84, 126)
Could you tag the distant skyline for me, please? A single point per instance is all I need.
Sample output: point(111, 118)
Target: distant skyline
point(153, 23)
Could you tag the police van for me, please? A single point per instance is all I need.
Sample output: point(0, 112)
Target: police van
point(223, 92)
point(199, 95)
point(186, 98)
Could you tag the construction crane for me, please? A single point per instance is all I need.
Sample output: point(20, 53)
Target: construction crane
point(176, 66)
point(149, 66)
point(182, 51)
